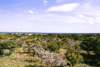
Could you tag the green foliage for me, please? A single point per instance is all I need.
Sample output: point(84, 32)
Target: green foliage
point(75, 36)
point(76, 46)
point(20, 42)
point(96, 50)
point(73, 56)
point(52, 46)
point(54, 42)
point(3, 37)
point(18, 35)
point(81, 65)
point(13, 38)
point(91, 43)
point(35, 40)
point(62, 42)
point(96, 46)
point(10, 44)
point(87, 44)
point(59, 35)
point(28, 41)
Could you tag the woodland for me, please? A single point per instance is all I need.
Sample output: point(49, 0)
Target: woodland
point(49, 50)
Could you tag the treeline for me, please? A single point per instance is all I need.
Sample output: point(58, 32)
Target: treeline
point(74, 44)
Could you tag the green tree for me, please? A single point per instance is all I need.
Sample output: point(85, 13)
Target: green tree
point(62, 42)
point(28, 42)
point(52, 46)
point(92, 44)
point(87, 44)
point(10, 44)
point(73, 56)
point(96, 50)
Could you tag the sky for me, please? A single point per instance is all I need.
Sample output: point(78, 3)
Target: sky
point(50, 16)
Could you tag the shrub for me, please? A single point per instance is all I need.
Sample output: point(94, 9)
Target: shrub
point(5, 52)
point(20, 41)
point(49, 58)
point(73, 56)
point(10, 45)
point(52, 46)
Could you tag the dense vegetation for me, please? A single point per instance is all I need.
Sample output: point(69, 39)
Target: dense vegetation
point(66, 50)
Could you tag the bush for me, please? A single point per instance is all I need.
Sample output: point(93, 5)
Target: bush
point(49, 58)
point(73, 56)
point(52, 46)
point(10, 45)
point(5, 52)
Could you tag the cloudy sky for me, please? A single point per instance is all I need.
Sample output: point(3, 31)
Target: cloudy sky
point(60, 16)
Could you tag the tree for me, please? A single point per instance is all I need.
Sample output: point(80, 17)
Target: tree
point(52, 46)
point(10, 45)
point(75, 36)
point(76, 46)
point(87, 44)
point(20, 42)
point(62, 42)
point(59, 36)
point(96, 50)
point(73, 56)
point(49, 58)
point(92, 44)
point(28, 42)
point(70, 42)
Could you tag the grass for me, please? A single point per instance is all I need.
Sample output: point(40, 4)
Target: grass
point(62, 50)
point(83, 51)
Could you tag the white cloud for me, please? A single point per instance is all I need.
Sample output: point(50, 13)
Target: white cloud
point(30, 11)
point(18, 27)
point(46, 11)
point(23, 27)
point(47, 27)
point(90, 20)
point(33, 12)
point(64, 8)
point(81, 16)
point(37, 12)
point(86, 13)
point(88, 9)
point(87, 19)
point(98, 19)
point(22, 22)
point(82, 27)
point(45, 2)
point(54, 18)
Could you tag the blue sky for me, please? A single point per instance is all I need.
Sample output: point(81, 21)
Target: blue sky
point(60, 16)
